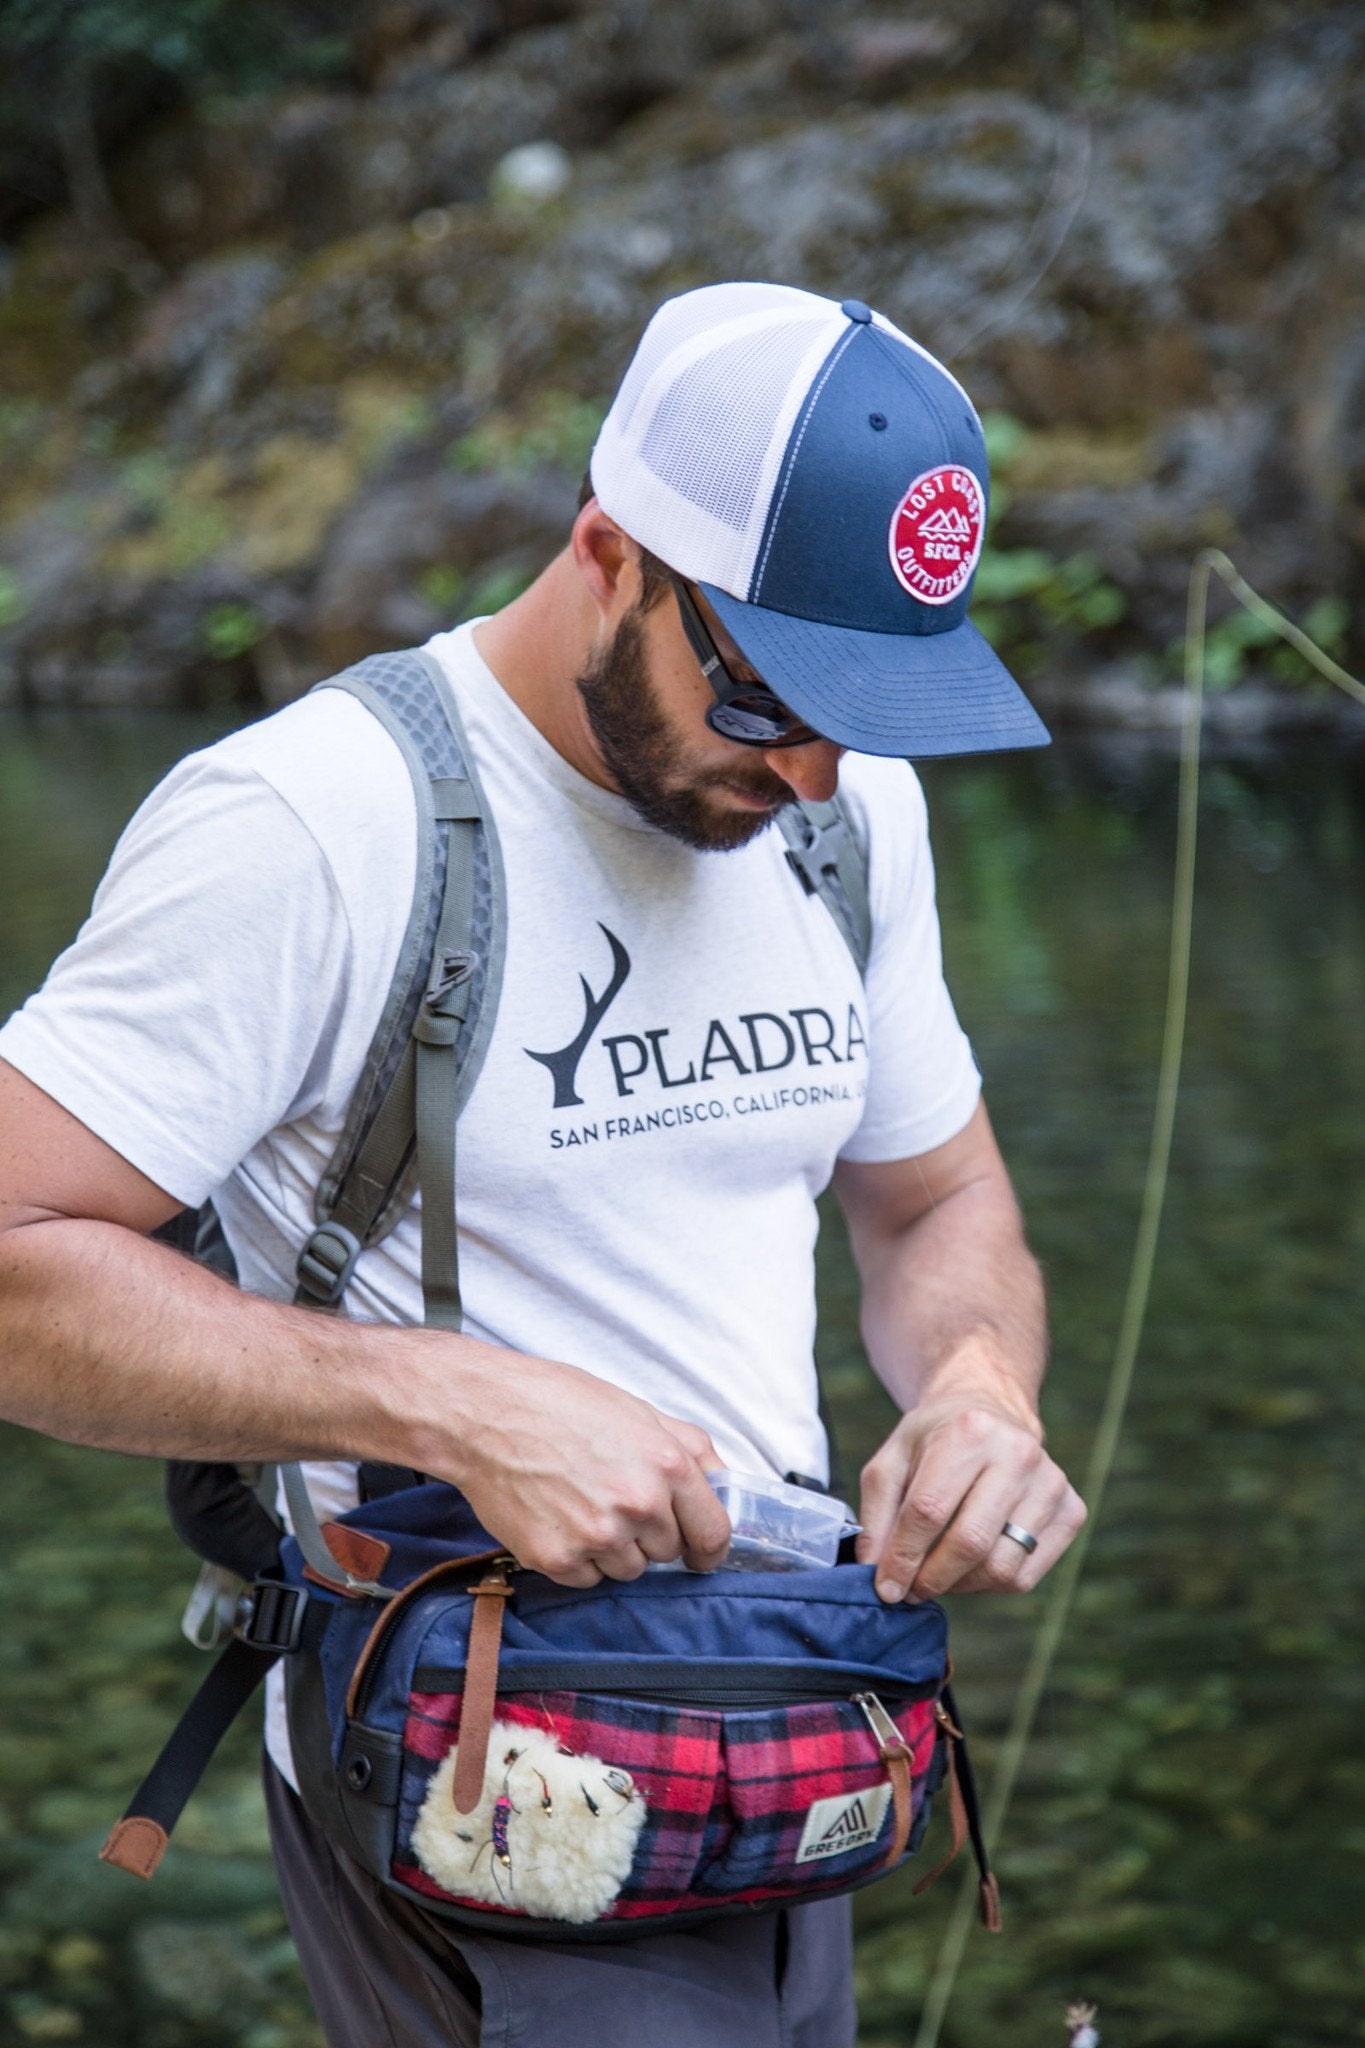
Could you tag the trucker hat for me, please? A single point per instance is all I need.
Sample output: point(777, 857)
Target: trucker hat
point(823, 480)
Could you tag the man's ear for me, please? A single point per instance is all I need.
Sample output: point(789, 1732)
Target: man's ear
point(608, 562)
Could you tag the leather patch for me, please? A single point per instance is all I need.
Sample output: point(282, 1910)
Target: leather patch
point(136, 1845)
point(363, 1556)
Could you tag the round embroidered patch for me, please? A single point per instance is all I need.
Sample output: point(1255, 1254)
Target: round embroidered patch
point(936, 533)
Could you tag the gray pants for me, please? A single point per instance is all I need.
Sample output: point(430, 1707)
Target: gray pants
point(384, 1974)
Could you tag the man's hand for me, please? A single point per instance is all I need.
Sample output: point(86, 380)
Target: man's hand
point(583, 1481)
point(954, 1323)
point(938, 1493)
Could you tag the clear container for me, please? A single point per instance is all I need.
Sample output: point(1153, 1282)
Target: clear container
point(778, 1527)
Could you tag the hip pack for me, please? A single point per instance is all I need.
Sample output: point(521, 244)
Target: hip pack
point(483, 1740)
point(488, 1743)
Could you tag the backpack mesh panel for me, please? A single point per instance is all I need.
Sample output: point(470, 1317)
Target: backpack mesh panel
point(406, 686)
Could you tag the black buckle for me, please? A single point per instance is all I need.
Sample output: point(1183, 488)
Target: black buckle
point(327, 1262)
point(813, 861)
point(270, 1616)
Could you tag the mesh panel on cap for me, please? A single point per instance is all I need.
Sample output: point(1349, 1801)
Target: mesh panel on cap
point(691, 448)
point(712, 430)
point(711, 306)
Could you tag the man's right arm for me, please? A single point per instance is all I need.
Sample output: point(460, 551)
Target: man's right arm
point(108, 1338)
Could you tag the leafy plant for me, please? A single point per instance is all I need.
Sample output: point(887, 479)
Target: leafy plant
point(1233, 647)
point(489, 593)
point(441, 586)
point(64, 58)
point(557, 433)
point(1024, 597)
point(13, 603)
point(232, 629)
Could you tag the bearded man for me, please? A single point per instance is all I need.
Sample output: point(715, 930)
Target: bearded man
point(763, 598)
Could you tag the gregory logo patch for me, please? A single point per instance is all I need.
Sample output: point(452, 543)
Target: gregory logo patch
point(936, 533)
point(834, 1826)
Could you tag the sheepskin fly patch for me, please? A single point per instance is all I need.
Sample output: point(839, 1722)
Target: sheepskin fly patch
point(553, 1834)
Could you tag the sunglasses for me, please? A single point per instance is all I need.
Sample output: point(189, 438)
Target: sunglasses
point(746, 712)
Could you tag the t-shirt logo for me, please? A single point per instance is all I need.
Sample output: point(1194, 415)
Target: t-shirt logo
point(936, 533)
point(563, 1065)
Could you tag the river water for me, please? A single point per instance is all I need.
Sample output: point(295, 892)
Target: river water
point(1187, 1844)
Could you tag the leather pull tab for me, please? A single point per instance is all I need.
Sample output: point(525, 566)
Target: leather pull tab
point(957, 1809)
point(897, 1763)
point(135, 1844)
point(988, 1904)
point(480, 1690)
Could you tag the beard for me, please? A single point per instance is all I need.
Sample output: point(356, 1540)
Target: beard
point(648, 763)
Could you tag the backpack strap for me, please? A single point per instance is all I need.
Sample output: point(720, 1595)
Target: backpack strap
point(442, 999)
point(431, 1038)
point(829, 860)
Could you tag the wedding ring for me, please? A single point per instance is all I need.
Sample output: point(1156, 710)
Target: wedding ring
point(1023, 1537)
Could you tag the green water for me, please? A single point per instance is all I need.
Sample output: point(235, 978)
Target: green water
point(1187, 1845)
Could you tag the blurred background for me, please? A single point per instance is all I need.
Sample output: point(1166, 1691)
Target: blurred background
point(308, 316)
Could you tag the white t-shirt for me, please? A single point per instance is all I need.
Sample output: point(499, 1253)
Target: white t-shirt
point(646, 1211)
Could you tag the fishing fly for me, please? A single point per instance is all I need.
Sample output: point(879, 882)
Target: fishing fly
point(1080, 2017)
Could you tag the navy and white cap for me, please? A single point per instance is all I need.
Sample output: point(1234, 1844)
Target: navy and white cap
point(823, 480)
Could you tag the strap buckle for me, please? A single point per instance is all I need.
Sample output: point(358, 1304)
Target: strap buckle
point(326, 1263)
point(819, 855)
point(270, 1616)
point(452, 971)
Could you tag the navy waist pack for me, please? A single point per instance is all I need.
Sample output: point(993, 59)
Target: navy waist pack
point(568, 1762)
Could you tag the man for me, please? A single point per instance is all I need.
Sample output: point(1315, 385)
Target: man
point(788, 500)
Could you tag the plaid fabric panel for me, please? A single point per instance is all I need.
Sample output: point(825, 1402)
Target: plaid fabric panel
point(778, 1764)
point(674, 1756)
point(727, 1795)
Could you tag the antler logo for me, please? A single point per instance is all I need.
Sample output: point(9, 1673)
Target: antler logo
point(563, 1065)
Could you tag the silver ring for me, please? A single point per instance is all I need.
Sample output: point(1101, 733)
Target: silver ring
point(1023, 1537)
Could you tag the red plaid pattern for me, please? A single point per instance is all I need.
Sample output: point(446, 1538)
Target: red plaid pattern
point(727, 1794)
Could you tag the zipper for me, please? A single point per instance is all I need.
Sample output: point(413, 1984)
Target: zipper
point(888, 1735)
point(761, 1687)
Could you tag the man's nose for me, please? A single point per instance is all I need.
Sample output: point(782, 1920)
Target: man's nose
point(810, 772)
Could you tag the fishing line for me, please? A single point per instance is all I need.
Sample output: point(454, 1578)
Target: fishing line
point(1062, 1589)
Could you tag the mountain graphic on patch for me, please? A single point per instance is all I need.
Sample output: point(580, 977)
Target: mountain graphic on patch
point(836, 1826)
point(946, 524)
point(853, 1821)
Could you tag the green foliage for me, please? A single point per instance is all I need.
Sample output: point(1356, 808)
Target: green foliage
point(558, 433)
point(1026, 598)
point(441, 586)
point(12, 601)
point(21, 421)
point(230, 630)
point(455, 595)
point(489, 593)
point(1241, 643)
point(66, 65)
point(209, 43)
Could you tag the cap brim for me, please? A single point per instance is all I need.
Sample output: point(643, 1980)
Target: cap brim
point(885, 693)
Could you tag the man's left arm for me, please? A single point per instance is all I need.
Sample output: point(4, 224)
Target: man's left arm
point(954, 1322)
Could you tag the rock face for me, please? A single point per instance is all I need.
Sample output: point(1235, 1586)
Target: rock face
point(360, 400)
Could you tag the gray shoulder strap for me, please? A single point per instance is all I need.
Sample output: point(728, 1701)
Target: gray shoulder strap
point(829, 860)
point(457, 908)
point(432, 1035)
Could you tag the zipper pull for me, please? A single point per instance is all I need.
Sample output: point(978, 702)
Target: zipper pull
point(889, 1737)
point(946, 1722)
point(897, 1759)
